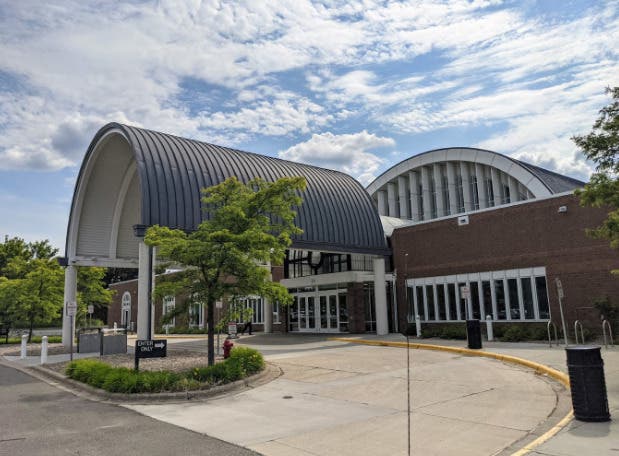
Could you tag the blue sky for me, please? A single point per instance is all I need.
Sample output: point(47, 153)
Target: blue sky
point(356, 86)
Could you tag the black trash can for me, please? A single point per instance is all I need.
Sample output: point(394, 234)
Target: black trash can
point(586, 370)
point(473, 334)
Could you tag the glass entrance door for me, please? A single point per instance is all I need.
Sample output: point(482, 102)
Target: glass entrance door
point(319, 311)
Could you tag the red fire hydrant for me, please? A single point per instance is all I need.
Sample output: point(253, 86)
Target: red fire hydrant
point(228, 344)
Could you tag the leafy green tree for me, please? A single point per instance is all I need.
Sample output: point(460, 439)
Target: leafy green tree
point(601, 146)
point(91, 290)
point(247, 226)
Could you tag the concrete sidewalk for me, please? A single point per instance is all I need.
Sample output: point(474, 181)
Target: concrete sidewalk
point(577, 438)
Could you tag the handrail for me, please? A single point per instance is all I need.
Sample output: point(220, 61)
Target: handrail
point(578, 324)
point(556, 334)
point(610, 331)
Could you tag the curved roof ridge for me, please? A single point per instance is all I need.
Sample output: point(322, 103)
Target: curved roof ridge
point(172, 169)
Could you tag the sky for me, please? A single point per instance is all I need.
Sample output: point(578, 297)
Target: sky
point(356, 86)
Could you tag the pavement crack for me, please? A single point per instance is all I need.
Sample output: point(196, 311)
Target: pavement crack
point(455, 399)
point(12, 440)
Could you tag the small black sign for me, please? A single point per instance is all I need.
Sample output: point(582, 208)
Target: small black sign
point(151, 348)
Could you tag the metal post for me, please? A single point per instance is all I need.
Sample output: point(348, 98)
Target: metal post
point(561, 296)
point(408, 392)
point(418, 325)
point(24, 343)
point(44, 350)
point(71, 341)
point(489, 328)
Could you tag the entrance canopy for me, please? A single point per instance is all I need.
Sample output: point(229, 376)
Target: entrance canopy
point(131, 176)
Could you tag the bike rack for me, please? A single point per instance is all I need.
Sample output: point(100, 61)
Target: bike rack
point(578, 324)
point(556, 334)
point(606, 323)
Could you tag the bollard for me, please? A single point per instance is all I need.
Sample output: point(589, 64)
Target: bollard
point(24, 342)
point(418, 325)
point(44, 350)
point(489, 328)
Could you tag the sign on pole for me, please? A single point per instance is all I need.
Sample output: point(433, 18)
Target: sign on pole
point(91, 309)
point(148, 348)
point(465, 292)
point(559, 288)
point(71, 309)
point(232, 329)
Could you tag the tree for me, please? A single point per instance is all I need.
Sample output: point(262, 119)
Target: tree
point(247, 226)
point(601, 146)
point(91, 290)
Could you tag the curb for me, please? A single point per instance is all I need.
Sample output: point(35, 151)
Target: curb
point(269, 373)
point(537, 367)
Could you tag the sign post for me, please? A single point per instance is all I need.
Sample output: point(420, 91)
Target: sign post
point(465, 292)
point(91, 310)
point(148, 348)
point(71, 311)
point(561, 295)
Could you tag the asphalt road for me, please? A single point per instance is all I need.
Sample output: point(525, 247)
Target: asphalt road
point(39, 419)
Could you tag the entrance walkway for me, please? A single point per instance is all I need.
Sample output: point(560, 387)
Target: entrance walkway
point(348, 399)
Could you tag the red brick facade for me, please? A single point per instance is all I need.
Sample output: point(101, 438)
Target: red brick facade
point(521, 236)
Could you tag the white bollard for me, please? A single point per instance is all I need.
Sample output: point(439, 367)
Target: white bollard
point(418, 325)
point(24, 343)
point(44, 350)
point(489, 328)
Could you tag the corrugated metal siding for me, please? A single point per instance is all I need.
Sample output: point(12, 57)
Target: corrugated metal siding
point(337, 213)
point(95, 224)
point(126, 245)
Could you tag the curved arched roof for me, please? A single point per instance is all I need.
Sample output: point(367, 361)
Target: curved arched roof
point(167, 172)
point(540, 181)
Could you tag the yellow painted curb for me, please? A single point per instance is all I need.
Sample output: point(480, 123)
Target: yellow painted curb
point(537, 367)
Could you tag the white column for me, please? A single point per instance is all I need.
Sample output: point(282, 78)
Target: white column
point(452, 188)
point(391, 199)
point(380, 297)
point(413, 182)
point(496, 186)
point(268, 309)
point(427, 194)
point(381, 195)
point(481, 186)
point(402, 186)
point(70, 295)
point(438, 190)
point(513, 189)
point(144, 278)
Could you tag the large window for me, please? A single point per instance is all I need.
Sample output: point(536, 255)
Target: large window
point(517, 294)
point(169, 303)
point(251, 307)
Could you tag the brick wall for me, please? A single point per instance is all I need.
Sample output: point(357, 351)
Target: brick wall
point(520, 236)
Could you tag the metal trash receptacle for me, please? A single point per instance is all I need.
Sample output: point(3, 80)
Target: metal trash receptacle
point(473, 334)
point(588, 386)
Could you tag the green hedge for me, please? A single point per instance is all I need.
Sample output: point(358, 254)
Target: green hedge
point(35, 340)
point(243, 361)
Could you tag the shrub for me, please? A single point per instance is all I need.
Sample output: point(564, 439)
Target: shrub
point(242, 362)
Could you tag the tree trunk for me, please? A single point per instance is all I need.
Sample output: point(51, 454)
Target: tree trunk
point(210, 321)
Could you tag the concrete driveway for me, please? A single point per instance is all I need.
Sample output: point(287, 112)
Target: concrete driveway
point(342, 399)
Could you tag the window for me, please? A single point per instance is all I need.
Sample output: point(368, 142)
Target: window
point(125, 311)
point(251, 307)
point(368, 302)
point(459, 193)
point(196, 314)
point(514, 302)
point(542, 297)
point(276, 312)
point(474, 192)
point(527, 298)
point(430, 301)
point(500, 294)
point(169, 304)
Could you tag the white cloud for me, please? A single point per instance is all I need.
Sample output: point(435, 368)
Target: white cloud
point(348, 153)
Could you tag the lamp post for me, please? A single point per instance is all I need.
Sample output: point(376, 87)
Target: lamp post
point(408, 359)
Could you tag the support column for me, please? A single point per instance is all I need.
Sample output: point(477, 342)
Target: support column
point(381, 195)
point(481, 186)
point(380, 297)
point(438, 190)
point(402, 186)
point(393, 206)
point(466, 186)
point(268, 309)
point(145, 320)
point(413, 182)
point(452, 188)
point(427, 194)
point(70, 295)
